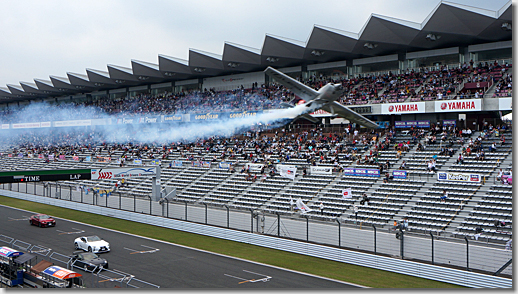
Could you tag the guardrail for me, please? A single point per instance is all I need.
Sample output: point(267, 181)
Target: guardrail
point(417, 269)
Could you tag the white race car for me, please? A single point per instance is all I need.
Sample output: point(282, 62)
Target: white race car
point(92, 244)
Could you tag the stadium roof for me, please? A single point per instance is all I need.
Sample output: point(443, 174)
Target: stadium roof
point(448, 25)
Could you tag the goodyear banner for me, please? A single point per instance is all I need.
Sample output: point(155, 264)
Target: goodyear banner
point(122, 173)
point(173, 118)
point(365, 172)
point(459, 177)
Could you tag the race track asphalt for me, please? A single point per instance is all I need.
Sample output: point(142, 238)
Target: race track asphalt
point(160, 263)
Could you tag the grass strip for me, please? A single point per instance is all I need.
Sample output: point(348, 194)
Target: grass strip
point(326, 268)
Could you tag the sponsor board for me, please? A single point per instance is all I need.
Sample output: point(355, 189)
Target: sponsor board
point(383, 124)
point(207, 116)
point(412, 123)
point(366, 172)
point(449, 122)
point(26, 125)
point(177, 163)
point(321, 170)
point(147, 120)
point(399, 174)
point(171, 118)
point(244, 114)
point(125, 121)
point(399, 108)
point(155, 162)
point(122, 173)
point(254, 167)
point(459, 177)
point(287, 171)
point(45, 124)
point(458, 105)
point(73, 123)
point(5, 126)
point(137, 161)
point(225, 165)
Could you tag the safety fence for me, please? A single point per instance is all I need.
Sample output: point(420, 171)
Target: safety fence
point(326, 240)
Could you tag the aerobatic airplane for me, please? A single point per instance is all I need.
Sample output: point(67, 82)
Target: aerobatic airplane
point(325, 98)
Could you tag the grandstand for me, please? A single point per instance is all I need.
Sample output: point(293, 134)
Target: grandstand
point(424, 94)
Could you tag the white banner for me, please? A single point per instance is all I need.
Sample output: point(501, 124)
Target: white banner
point(5, 126)
point(347, 193)
point(459, 177)
point(254, 167)
point(45, 124)
point(73, 123)
point(505, 103)
point(403, 108)
point(303, 207)
point(458, 105)
point(321, 170)
point(287, 171)
point(26, 125)
point(120, 173)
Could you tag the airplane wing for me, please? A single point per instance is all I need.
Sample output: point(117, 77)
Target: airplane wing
point(304, 92)
point(342, 111)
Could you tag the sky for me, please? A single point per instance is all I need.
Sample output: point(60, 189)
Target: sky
point(53, 37)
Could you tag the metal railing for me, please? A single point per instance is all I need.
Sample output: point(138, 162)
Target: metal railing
point(301, 233)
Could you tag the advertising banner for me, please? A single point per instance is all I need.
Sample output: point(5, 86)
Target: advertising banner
point(155, 162)
point(412, 123)
point(236, 115)
point(40, 156)
point(254, 167)
point(75, 158)
point(225, 165)
point(205, 164)
point(103, 159)
point(51, 156)
point(73, 123)
point(122, 173)
point(88, 158)
point(403, 108)
point(5, 126)
point(173, 118)
point(62, 157)
point(476, 85)
point(20, 155)
point(287, 171)
point(26, 125)
point(321, 170)
point(177, 163)
point(458, 105)
point(137, 161)
point(148, 119)
point(399, 174)
point(449, 122)
point(347, 193)
point(362, 172)
point(459, 177)
point(383, 124)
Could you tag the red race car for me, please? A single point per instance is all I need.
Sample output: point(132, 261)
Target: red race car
point(42, 220)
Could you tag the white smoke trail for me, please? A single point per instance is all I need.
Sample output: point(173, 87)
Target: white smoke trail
point(142, 133)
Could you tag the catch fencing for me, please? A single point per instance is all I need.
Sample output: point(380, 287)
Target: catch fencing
point(465, 256)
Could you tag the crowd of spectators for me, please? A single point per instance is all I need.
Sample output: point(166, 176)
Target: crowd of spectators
point(412, 85)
